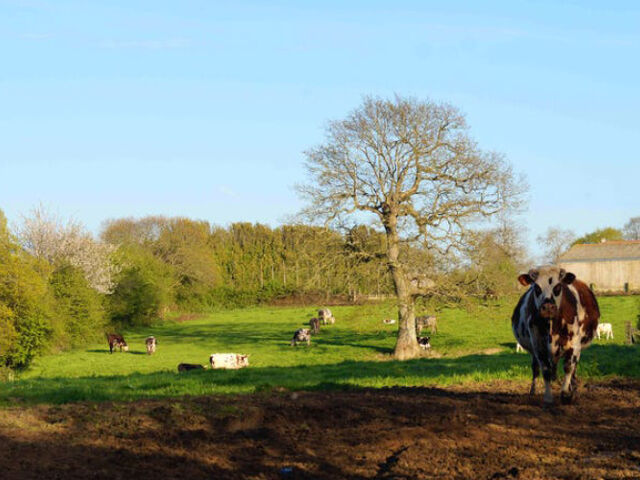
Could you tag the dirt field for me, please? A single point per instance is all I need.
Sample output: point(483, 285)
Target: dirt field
point(481, 432)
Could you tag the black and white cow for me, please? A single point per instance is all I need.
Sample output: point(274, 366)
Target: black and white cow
point(555, 318)
point(326, 317)
point(301, 335)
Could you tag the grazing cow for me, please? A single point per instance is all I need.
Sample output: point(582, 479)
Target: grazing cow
point(326, 316)
point(555, 318)
point(424, 343)
point(231, 361)
point(429, 321)
point(185, 367)
point(605, 329)
point(301, 335)
point(388, 321)
point(151, 343)
point(116, 341)
point(314, 325)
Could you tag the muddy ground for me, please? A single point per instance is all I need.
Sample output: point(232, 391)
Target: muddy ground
point(477, 432)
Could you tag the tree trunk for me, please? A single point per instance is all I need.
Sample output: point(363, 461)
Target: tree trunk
point(407, 343)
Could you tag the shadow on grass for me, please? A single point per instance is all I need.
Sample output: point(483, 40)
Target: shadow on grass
point(116, 352)
point(597, 361)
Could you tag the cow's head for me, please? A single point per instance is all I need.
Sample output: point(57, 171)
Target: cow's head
point(125, 347)
point(547, 284)
point(243, 360)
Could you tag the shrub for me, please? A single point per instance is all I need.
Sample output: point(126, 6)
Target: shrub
point(78, 307)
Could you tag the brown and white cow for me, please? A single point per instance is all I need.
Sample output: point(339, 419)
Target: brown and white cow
point(555, 318)
point(231, 361)
point(151, 343)
point(116, 340)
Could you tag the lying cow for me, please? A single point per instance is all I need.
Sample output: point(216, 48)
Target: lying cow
point(424, 343)
point(428, 321)
point(555, 318)
point(116, 341)
point(326, 316)
point(388, 321)
point(314, 325)
point(301, 335)
point(151, 343)
point(185, 367)
point(605, 329)
point(230, 361)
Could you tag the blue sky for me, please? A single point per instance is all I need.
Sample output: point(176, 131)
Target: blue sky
point(203, 108)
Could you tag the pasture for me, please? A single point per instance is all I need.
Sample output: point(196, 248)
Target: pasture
point(472, 346)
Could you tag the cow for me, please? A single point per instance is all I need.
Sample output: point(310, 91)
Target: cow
point(326, 316)
point(555, 318)
point(605, 329)
point(429, 321)
point(519, 348)
point(388, 321)
point(116, 341)
point(185, 367)
point(230, 361)
point(423, 342)
point(314, 325)
point(151, 343)
point(301, 335)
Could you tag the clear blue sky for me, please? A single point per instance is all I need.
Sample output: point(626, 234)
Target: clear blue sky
point(203, 108)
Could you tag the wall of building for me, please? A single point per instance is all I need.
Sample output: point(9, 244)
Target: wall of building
point(606, 275)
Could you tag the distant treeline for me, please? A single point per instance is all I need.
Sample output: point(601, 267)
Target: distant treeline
point(60, 287)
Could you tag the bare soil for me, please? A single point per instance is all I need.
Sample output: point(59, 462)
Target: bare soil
point(492, 431)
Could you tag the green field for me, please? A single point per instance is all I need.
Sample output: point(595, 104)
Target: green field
point(473, 345)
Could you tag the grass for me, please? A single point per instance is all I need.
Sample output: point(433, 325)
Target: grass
point(471, 346)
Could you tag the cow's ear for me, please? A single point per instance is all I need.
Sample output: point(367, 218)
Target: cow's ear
point(525, 279)
point(568, 278)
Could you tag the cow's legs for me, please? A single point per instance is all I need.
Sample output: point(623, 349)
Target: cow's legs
point(571, 359)
point(535, 368)
point(547, 374)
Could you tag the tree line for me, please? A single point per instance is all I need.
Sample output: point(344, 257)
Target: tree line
point(60, 287)
point(406, 168)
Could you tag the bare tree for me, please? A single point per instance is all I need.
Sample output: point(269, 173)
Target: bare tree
point(555, 241)
point(412, 166)
point(632, 229)
point(46, 236)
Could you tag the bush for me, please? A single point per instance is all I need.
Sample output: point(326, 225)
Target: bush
point(143, 291)
point(25, 303)
point(79, 309)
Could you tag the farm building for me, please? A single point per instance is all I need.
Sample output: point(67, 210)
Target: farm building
point(607, 266)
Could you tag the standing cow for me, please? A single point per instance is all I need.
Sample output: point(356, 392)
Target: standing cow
point(151, 343)
point(301, 335)
point(555, 318)
point(326, 316)
point(314, 325)
point(116, 341)
point(428, 321)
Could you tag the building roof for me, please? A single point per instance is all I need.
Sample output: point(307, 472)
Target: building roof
point(605, 251)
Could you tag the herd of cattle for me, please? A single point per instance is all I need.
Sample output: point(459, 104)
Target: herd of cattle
point(556, 318)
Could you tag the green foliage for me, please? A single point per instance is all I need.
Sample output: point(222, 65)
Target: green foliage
point(79, 309)
point(24, 303)
point(472, 345)
point(144, 288)
point(607, 233)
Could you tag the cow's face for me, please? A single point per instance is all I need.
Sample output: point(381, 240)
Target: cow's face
point(547, 284)
point(243, 360)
